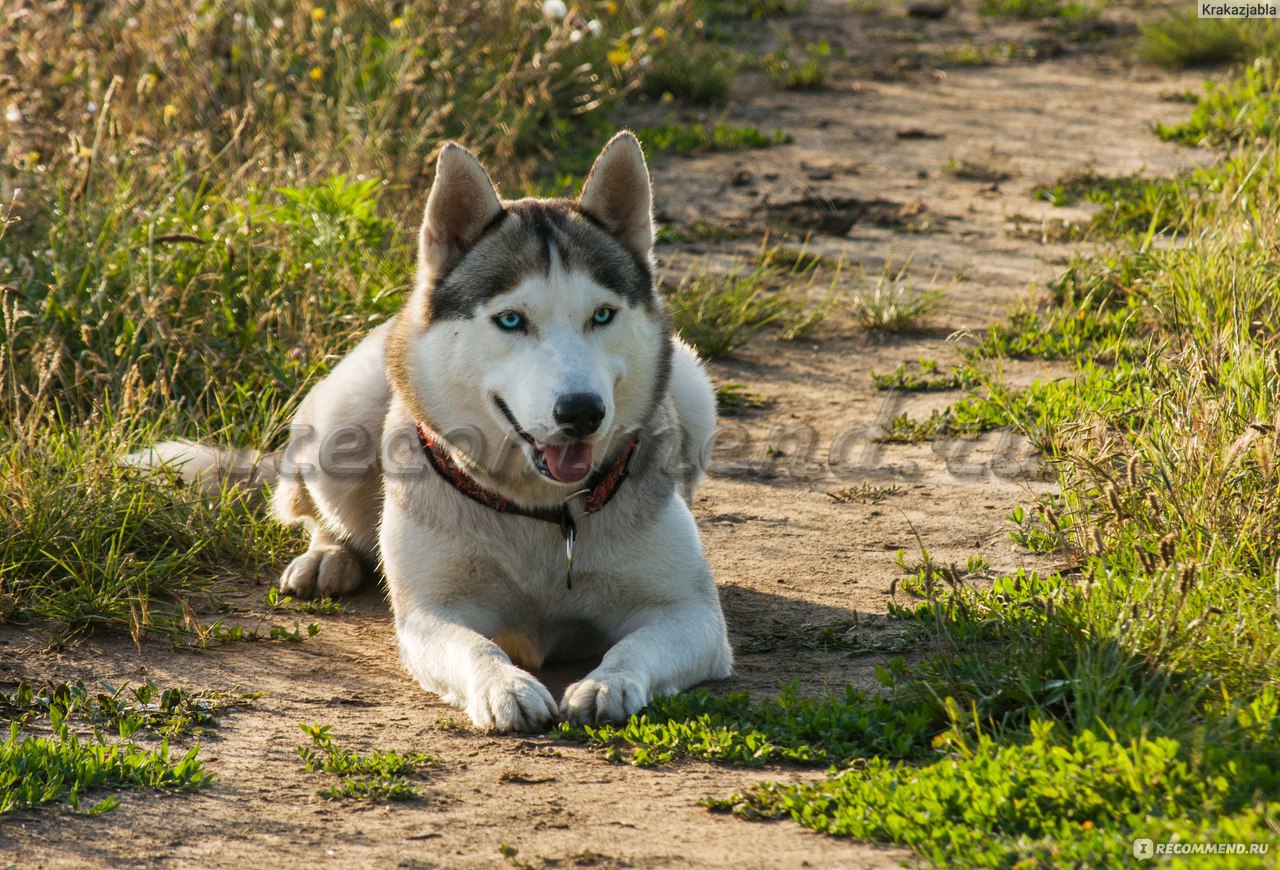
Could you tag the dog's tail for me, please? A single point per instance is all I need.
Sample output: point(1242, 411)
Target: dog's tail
point(209, 470)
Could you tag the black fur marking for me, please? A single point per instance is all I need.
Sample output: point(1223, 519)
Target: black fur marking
point(519, 243)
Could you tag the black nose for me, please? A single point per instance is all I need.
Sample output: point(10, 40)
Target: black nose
point(580, 413)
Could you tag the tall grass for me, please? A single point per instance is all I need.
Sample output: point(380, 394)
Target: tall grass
point(202, 206)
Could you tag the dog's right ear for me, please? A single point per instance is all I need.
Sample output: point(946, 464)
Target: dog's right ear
point(462, 203)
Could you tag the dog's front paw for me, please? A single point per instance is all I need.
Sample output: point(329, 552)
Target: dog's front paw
point(512, 701)
point(323, 572)
point(603, 698)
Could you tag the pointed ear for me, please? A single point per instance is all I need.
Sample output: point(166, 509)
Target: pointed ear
point(461, 204)
point(617, 194)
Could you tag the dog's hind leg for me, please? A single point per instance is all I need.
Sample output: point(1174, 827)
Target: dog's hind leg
point(330, 475)
point(326, 569)
point(334, 562)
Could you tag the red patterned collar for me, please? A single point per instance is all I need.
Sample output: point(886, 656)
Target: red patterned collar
point(599, 489)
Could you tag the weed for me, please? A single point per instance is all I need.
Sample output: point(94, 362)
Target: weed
point(321, 606)
point(1182, 39)
point(37, 771)
point(1046, 531)
point(732, 397)
point(795, 260)
point(1065, 788)
point(1244, 109)
point(820, 731)
point(894, 303)
point(378, 776)
point(688, 138)
point(986, 171)
point(718, 314)
point(864, 493)
point(219, 632)
point(1130, 204)
point(1064, 10)
point(808, 73)
point(699, 75)
point(125, 709)
point(847, 636)
point(926, 377)
point(923, 575)
point(61, 767)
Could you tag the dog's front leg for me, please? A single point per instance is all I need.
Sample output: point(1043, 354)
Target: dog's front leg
point(669, 649)
point(452, 658)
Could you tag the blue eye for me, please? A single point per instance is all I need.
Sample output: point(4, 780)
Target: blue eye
point(510, 321)
point(603, 315)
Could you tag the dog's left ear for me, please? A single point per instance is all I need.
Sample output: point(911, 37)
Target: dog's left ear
point(617, 194)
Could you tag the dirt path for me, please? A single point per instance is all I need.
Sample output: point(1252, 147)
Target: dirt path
point(781, 548)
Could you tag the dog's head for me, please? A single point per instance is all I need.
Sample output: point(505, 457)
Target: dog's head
point(535, 323)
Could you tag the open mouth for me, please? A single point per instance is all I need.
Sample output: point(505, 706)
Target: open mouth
point(564, 463)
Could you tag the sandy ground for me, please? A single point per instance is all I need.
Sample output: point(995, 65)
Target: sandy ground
point(877, 143)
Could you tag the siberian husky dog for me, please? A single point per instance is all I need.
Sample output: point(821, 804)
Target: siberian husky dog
point(517, 449)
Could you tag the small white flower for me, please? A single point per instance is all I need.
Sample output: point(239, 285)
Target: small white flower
point(131, 22)
point(574, 37)
point(594, 27)
point(635, 31)
point(277, 22)
point(12, 115)
point(554, 9)
point(92, 108)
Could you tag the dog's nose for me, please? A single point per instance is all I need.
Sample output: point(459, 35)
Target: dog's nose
point(580, 413)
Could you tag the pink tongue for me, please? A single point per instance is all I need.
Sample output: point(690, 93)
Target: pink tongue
point(568, 463)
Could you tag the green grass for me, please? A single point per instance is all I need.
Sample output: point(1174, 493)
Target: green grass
point(1182, 39)
point(679, 138)
point(379, 776)
point(808, 731)
point(1063, 10)
point(1132, 690)
point(1046, 794)
point(925, 376)
point(734, 397)
point(847, 636)
point(59, 750)
point(1234, 112)
point(893, 303)
point(1129, 204)
point(324, 606)
point(808, 72)
point(698, 75)
point(125, 709)
point(717, 314)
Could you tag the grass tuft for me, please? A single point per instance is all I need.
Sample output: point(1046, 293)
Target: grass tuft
point(60, 766)
point(379, 776)
point(894, 304)
point(1183, 39)
point(692, 138)
point(805, 73)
